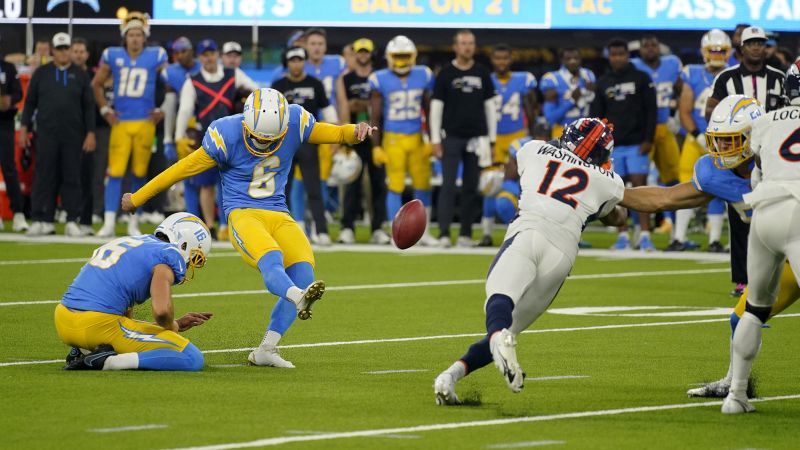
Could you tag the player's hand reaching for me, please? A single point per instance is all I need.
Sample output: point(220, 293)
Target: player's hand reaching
point(127, 202)
point(364, 130)
point(192, 319)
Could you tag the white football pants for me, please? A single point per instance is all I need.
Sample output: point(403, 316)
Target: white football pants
point(774, 236)
point(530, 270)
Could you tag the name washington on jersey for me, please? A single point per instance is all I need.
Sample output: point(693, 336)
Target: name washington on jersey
point(565, 155)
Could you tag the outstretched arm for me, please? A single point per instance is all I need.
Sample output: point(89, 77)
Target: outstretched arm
point(196, 162)
point(326, 133)
point(650, 199)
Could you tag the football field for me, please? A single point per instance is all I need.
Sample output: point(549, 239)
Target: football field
point(607, 366)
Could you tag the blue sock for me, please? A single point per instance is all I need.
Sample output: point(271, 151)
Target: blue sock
point(423, 195)
point(113, 194)
point(489, 208)
point(478, 355)
point(137, 183)
point(285, 311)
point(190, 359)
point(297, 200)
point(191, 196)
point(223, 219)
point(394, 200)
point(734, 323)
point(498, 313)
point(273, 273)
point(670, 214)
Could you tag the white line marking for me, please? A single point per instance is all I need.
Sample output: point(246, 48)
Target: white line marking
point(356, 287)
point(391, 436)
point(384, 372)
point(525, 444)
point(225, 366)
point(477, 423)
point(561, 377)
point(429, 338)
point(153, 426)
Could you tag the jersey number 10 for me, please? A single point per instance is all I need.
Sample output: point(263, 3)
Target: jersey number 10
point(564, 194)
point(132, 82)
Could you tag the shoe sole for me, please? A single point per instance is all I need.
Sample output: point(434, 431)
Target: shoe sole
point(313, 294)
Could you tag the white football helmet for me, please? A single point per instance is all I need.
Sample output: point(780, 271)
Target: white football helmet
point(401, 54)
point(728, 132)
point(715, 47)
point(491, 181)
point(135, 19)
point(345, 168)
point(191, 236)
point(266, 119)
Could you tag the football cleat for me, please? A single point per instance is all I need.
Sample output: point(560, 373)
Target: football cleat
point(346, 236)
point(646, 244)
point(623, 243)
point(323, 240)
point(74, 353)
point(380, 237)
point(429, 241)
point(93, 361)
point(19, 224)
point(268, 357)
point(486, 241)
point(310, 295)
point(465, 242)
point(504, 352)
point(736, 405)
point(444, 388)
point(717, 389)
point(738, 290)
point(72, 229)
point(107, 230)
point(584, 244)
point(665, 227)
point(716, 247)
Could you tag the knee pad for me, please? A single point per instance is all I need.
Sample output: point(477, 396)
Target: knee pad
point(762, 312)
point(196, 359)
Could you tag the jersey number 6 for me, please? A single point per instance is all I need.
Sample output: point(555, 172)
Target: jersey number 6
point(263, 182)
point(564, 194)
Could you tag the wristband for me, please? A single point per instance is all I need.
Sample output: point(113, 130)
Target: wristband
point(105, 110)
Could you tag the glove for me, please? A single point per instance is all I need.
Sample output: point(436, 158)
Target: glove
point(483, 150)
point(184, 147)
point(379, 156)
point(170, 152)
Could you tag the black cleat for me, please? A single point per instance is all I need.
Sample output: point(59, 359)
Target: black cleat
point(93, 361)
point(738, 290)
point(74, 353)
point(716, 247)
point(675, 246)
point(486, 241)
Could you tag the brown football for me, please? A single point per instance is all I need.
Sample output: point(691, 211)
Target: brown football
point(409, 224)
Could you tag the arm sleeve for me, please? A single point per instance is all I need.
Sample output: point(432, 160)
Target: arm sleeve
point(243, 81)
point(169, 106)
point(326, 133)
point(88, 105)
point(490, 109)
point(650, 109)
point(31, 99)
point(488, 86)
point(437, 110)
point(193, 164)
point(14, 88)
point(185, 111)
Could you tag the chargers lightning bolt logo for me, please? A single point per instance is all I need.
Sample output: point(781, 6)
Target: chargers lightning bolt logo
point(217, 138)
point(143, 337)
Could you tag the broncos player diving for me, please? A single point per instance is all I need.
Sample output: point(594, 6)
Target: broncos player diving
point(254, 152)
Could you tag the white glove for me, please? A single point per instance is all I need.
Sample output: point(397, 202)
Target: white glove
point(482, 148)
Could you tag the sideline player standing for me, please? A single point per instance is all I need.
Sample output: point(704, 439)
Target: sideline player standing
point(568, 92)
point(254, 152)
point(564, 186)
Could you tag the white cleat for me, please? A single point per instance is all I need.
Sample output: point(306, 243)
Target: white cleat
point(380, 237)
point(323, 240)
point(717, 389)
point(504, 352)
point(108, 230)
point(428, 241)
point(41, 229)
point(443, 242)
point(465, 242)
point(72, 230)
point(310, 295)
point(19, 224)
point(444, 387)
point(346, 236)
point(736, 405)
point(268, 357)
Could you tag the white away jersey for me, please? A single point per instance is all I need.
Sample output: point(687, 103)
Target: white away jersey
point(561, 193)
point(775, 138)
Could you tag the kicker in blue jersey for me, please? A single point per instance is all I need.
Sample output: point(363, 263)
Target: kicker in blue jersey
point(402, 98)
point(134, 80)
point(513, 92)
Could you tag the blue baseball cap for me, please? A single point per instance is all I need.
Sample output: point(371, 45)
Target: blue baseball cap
point(182, 43)
point(206, 45)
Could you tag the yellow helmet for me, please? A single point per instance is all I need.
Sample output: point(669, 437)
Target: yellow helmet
point(135, 19)
point(401, 54)
point(728, 132)
point(716, 48)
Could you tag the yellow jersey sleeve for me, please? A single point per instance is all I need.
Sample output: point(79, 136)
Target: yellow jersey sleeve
point(326, 133)
point(197, 161)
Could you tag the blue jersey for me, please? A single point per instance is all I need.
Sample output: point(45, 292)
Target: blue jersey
point(328, 71)
point(563, 82)
point(723, 183)
point(512, 115)
point(402, 98)
point(700, 80)
point(119, 274)
point(134, 80)
point(175, 75)
point(249, 181)
point(664, 78)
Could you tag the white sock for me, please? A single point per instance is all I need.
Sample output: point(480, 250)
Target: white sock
point(729, 375)
point(458, 370)
point(746, 342)
point(133, 221)
point(428, 223)
point(123, 361)
point(682, 219)
point(715, 222)
point(487, 223)
point(110, 218)
point(271, 339)
point(643, 234)
point(623, 234)
point(294, 294)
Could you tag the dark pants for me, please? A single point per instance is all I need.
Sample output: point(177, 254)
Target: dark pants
point(87, 179)
point(58, 164)
point(454, 152)
point(738, 240)
point(353, 192)
point(102, 135)
point(158, 163)
point(307, 158)
point(8, 166)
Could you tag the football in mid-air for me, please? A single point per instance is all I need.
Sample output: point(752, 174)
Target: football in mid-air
point(409, 224)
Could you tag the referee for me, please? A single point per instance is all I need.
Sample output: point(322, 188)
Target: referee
point(754, 78)
point(464, 105)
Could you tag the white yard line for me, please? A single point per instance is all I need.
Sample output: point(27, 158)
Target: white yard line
point(384, 372)
point(154, 426)
point(437, 337)
point(559, 377)
point(390, 436)
point(355, 287)
point(526, 444)
point(472, 424)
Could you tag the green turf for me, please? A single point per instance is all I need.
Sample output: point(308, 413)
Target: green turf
point(228, 402)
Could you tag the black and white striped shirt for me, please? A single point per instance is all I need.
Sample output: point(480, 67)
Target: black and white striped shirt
point(765, 85)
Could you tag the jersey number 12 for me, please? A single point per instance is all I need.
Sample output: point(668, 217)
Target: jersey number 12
point(564, 194)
